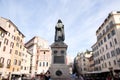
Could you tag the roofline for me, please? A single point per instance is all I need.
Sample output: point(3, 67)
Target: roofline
point(16, 27)
point(8, 20)
point(3, 29)
point(107, 18)
point(30, 40)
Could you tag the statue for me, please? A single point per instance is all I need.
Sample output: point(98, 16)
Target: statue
point(59, 32)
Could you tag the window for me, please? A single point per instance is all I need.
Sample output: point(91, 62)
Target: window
point(98, 44)
point(110, 44)
point(46, 63)
point(106, 47)
point(1, 60)
point(9, 26)
point(118, 50)
point(104, 39)
point(108, 36)
point(20, 46)
point(114, 61)
point(6, 41)
point(21, 67)
point(15, 62)
point(104, 57)
point(84, 69)
point(108, 55)
point(17, 44)
point(8, 61)
point(14, 30)
point(105, 65)
point(19, 63)
point(18, 39)
point(111, 24)
point(26, 55)
point(83, 59)
point(103, 49)
point(13, 69)
point(109, 63)
point(102, 66)
point(2, 34)
point(113, 32)
point(107, 28)
point(4, 48)
point(8, 33)
point(24, 68)
point(115, 40)
point(101, 42)
point(19, 53)
point(12, 44)
point(40, 64)
point(44, 52)
point(43, 63)
point(103, 32)
point(16, 52)
point(101, 58)
point(0, 44)
point(112, 53)
point(99, 51)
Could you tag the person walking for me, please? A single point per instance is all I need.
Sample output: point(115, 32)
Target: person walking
point(47, 75)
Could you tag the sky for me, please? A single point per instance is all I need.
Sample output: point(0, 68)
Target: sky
point(81, 19)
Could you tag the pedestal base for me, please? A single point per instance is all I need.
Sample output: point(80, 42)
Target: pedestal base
point(59, 71)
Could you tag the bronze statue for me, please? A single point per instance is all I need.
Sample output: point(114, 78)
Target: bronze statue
point(59, 32)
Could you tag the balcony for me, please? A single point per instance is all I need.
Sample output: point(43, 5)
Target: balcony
point(1, 65)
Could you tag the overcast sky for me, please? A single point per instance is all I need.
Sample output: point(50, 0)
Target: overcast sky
point(81, 19)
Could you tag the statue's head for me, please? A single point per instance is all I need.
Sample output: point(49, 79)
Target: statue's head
point(59, 21)
point(59, 24)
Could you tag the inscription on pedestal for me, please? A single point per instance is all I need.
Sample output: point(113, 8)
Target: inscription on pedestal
point(59, 60)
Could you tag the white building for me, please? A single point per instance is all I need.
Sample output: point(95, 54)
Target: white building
point(106, 51)
point(11, 48)
point(83, 62)
point(41, 54)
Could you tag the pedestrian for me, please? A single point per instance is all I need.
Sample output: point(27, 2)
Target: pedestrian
point(109, 77)
point(47, 75)
point(42, 76)
point(81, 77)
point(116, 77)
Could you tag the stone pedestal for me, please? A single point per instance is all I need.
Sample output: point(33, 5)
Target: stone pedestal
point(59, 68)
point(59, 71)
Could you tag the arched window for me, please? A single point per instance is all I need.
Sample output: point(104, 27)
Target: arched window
point(15, 62)
point(46, 63)
point(1, 60)
point(9, 61)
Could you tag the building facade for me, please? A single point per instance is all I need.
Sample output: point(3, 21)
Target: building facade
point(82, 62)
point(11, 48)
point(2, 34)
point(41, 55)
point(26, 61)
point(106, 51)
